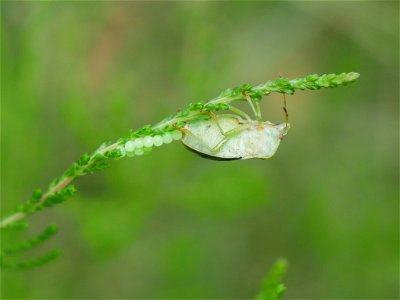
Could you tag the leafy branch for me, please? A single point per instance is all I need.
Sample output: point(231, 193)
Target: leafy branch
point(140, 141)
point(272, 287)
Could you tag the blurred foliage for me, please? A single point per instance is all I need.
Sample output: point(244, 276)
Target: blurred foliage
point(272, 287)
point(172, 224)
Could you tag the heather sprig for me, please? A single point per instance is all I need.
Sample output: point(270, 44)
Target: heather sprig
point(143, 140)
point(40, 238)
point(272, 286)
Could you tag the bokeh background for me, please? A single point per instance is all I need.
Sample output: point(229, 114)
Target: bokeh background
point(174, 225)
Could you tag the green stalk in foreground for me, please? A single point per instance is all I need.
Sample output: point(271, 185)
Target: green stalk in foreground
point(142, 140)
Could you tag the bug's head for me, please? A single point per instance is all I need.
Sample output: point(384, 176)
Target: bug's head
point(282, 129)
point(266, 144)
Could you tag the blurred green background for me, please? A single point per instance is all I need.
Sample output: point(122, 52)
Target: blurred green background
point(171, 224)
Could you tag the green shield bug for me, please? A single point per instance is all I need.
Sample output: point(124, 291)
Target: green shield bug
point(235, 136)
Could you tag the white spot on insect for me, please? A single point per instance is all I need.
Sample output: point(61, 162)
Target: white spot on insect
point(122, 151)
point(138, 143)
point(148, 141)
point(139, 151)
point(176, 135)
point(130, 154)
point(147, 149)
point(129, 146)
point(157, 140)
point(167, 138)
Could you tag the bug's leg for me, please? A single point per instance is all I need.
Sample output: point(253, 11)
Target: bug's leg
point(258, 110)
point(215, 119)
point(239, 112)
point(255, 107)
point(228, 135)
point(285, 110)
point(239, 118)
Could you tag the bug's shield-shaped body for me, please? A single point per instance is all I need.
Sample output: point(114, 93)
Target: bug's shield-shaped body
point(240, 139)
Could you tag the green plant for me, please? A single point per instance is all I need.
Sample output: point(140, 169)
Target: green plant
point(137, 142)
point(272, 286)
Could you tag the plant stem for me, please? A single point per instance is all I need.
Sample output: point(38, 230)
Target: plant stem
point(190, 114)
point(51, 191)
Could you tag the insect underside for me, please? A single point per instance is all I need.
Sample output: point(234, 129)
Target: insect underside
point(230, 136)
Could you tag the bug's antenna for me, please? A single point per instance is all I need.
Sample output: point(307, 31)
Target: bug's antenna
point(285, 110)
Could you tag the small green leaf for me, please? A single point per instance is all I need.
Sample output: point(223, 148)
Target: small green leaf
point(272, 287)
point(21, 225)
point(60, 196)
point(52, 255)
point(36, 195)
point(43, 236)
point(84, 159)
